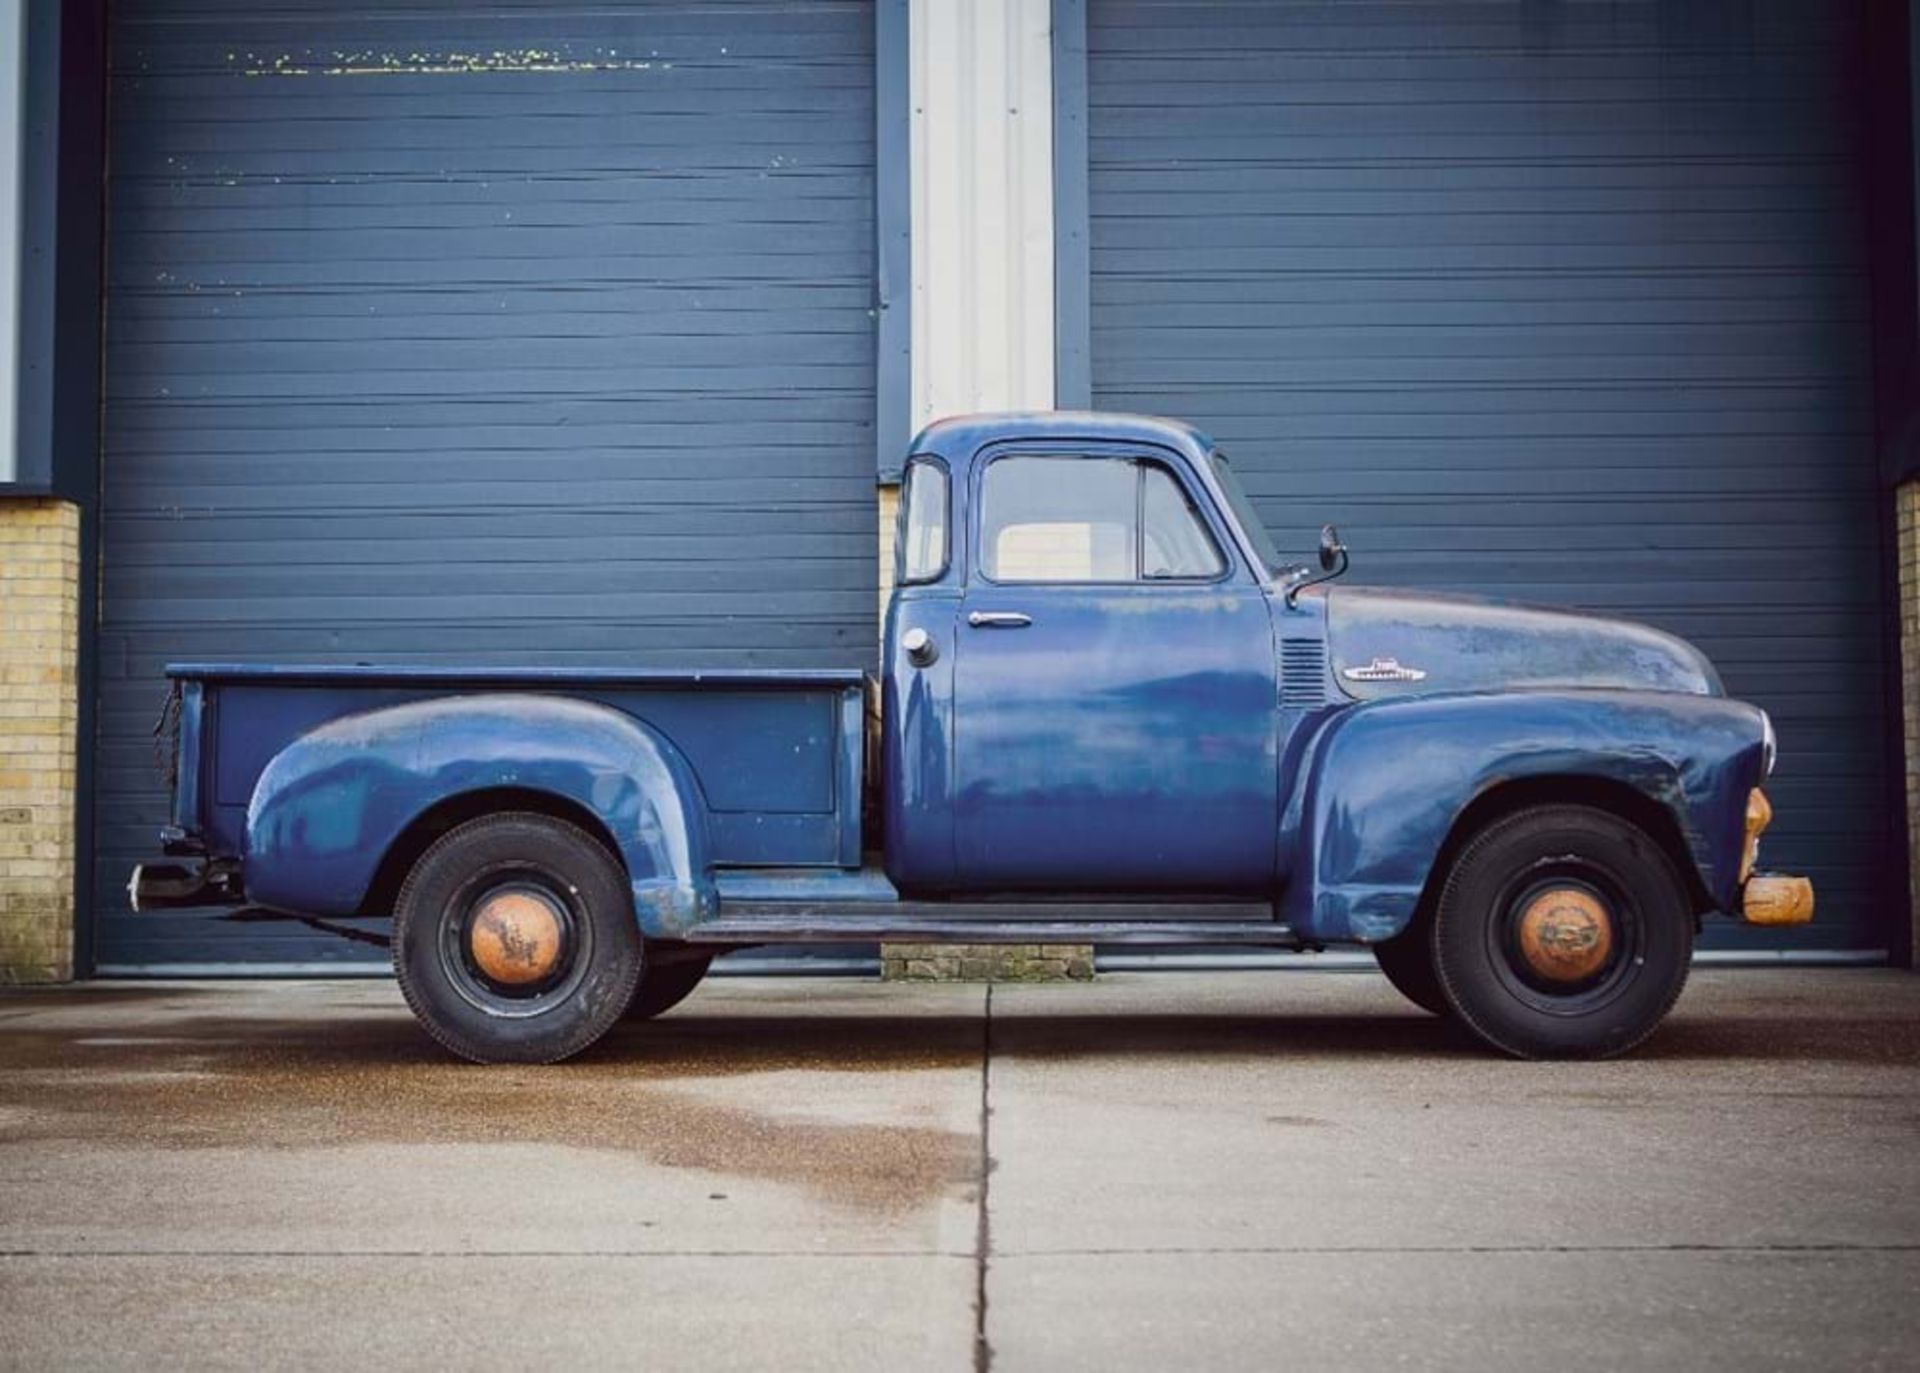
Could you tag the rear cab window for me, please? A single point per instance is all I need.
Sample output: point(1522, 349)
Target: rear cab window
point(924, 518)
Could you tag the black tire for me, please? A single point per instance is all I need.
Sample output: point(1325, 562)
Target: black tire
point(1562, 932)
point(449, 967)
point(1407, 960)
point(665, 985)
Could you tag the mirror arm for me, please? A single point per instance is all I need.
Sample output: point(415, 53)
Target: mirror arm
point(1293, 592)
point(1333, 561)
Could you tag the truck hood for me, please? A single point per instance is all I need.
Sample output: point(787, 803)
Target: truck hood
point(1395, 643)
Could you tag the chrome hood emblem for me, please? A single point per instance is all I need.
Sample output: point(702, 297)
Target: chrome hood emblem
point(1384, 670)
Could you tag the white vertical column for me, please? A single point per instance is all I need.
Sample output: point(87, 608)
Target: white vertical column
point(981, 83)
point(13, 43)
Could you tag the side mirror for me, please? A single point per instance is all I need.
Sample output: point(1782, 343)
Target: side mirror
point(1333, 561)
point(1333, 553)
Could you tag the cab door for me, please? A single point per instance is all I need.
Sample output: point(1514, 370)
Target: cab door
point(1114, 684)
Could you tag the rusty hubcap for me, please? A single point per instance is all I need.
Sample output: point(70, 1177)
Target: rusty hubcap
point(1566, 934)
point(515, 939)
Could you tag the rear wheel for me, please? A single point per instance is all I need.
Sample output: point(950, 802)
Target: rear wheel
point(1562, 932)
point(665, 985)
point(514, 940)
point(1407, 960)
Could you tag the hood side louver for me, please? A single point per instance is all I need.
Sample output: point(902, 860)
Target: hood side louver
point(1303, 674)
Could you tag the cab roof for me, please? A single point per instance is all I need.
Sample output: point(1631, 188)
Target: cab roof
point(961, 436)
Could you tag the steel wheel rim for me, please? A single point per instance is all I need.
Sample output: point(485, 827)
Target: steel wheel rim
point(469, 973)
point(1513, 948)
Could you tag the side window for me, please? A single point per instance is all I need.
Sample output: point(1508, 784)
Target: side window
point(1059, 520)
point(1090, 520)
point(1174, 542)
point(923, 523)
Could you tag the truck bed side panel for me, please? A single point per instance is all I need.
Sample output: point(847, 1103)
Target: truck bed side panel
point(770, 756)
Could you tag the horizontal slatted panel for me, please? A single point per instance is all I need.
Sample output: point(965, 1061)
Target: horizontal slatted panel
point(1303, 674)
point(477, 334)
point(1566, 302)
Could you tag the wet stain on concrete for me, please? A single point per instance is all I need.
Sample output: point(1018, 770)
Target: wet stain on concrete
point(182, 1068)
point(1891, 1041)
point(1274, 1037)
point(16, 1001)
point(202, 1082)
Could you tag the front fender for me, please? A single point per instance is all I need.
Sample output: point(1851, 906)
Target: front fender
point(1384, 783)
point(329, 806)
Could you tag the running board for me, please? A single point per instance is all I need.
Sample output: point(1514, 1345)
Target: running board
point(793, 901)
point(806, 927)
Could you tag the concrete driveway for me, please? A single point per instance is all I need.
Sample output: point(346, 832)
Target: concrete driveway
point(1161, 1169)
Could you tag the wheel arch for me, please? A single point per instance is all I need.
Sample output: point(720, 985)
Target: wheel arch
point(451, 812)
point(339, 815)
point(1392, 787)
point(1609, 794)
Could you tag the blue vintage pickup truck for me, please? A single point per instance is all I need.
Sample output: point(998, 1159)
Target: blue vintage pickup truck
point(1107, 711)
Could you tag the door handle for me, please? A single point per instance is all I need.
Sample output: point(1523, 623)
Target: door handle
point(998, 619)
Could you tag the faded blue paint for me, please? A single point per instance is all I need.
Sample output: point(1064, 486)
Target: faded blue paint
point(777, 753)
point(329, 806)
point(916, 740)
point(1381, 786)
point(829, 886)
point(1036, 809)
point(1125, 739)
point(1179, 738)
point(576, 677)
point(1471, 643)
point(1141, 737)
point(311, 774)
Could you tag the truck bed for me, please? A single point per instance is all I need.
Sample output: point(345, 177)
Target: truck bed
point(777, 754)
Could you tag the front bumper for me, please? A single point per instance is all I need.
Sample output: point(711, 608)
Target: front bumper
point(1775, 899)
point(1769, 898)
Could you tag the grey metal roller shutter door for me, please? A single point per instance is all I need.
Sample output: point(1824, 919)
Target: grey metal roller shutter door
point(1561, 301)
point(476, 334)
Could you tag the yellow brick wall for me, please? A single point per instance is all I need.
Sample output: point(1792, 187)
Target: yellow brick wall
point(889, 511)
point(1907, 520)
point(39, 722)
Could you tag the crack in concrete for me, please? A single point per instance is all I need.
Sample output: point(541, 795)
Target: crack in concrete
point(983, 1229)
point(6, 1254)
point(1337, 1249)
point(979, 1256)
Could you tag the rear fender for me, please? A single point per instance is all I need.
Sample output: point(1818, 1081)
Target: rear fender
point(1386, 781)
point(329, 806)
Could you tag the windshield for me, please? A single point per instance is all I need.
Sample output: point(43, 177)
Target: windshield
point(1247, 517)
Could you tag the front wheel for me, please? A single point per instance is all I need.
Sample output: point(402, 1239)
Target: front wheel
point(514, 940)
point(1562, 932)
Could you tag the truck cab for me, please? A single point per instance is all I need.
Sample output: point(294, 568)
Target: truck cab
point(1081, 670)
point(1108, 710)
